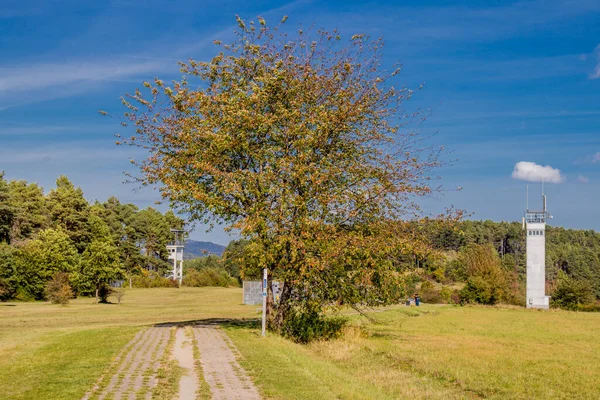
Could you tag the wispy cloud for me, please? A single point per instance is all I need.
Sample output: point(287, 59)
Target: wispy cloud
point(589, 159)
point(532, 172)
point(583, 179)
point(29, 129)
point(596, 73)
point(69, 154)
point(44, 76)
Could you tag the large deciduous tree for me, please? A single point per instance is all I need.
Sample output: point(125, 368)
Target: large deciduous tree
point(41, 258)
point(298, 141)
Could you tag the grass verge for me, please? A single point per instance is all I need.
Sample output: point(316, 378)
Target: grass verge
point(65, 366)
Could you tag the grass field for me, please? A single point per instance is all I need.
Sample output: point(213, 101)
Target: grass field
point(436, 352)
point(53, 352)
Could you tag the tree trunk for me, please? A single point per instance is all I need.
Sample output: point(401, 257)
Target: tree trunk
point(130, 279)
point(97, 300)
point(283, 307)
point(270, 303)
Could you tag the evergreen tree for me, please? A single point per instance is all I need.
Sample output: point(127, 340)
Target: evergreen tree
point(31, 213)
point(69, 211)
point(6, 211)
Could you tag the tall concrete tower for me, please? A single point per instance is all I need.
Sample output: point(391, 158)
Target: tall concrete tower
point(534, 224)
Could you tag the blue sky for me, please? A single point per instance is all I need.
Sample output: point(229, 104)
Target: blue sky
point(508, 82)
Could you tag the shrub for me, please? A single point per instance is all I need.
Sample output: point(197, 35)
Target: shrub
point(446, 294)
point(570, 294)
point(427, 285)
point(431, 296)
point(119, 294)
point(305, 325)
point(594, 307)
point(208, 277)
point(481, 291)
point(455, 297)
point(152, 280)
point(58, 289)
point(439, 275)
point(487, 282)
point(104, 292)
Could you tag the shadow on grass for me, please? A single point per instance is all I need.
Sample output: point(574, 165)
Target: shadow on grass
point(229, 322)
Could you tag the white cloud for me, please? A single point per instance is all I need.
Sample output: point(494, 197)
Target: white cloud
point(596, 158)
point(43, 76)
point(532, 172)
point(596, 73)
point(583, 179)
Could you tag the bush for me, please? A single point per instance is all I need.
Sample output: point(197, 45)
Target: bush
point(152, 280)
point(104, 293)
point(119, 294)
point(481, 291)
point(570, 294)
point(455, 297)
point(427, 285)
point(446, 294)
point(439, 275)
point(208, 277)
point(487, 282)
point(431, 296)
point(58, 289)
point(304, 326)
point(594, 307)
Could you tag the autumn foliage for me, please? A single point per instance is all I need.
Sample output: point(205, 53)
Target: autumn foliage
point(299, 141)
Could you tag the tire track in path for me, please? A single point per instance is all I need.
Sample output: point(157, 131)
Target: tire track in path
point(226, 378)
point(133, 371)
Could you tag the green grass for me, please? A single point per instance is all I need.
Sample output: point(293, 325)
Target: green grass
point(53, 352)
point(435, 352)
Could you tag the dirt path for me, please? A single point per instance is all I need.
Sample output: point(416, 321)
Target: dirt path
point(226, 378)
point(183, 352)
point(132, 374)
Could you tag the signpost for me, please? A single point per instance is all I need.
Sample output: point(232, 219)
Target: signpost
point(264, 308)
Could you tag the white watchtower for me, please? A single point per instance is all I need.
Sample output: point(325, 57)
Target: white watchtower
point(175, 250)
point(534, 224)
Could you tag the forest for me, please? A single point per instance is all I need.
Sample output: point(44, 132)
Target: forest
point(94, 244)
point(89, 245)
point(469, 250)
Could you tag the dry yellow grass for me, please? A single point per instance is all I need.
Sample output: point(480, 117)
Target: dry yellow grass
point(437, 352)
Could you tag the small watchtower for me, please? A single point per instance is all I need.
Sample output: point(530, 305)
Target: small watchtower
point(175, 250)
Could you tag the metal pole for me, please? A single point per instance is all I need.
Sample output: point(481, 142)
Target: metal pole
point(264, 308)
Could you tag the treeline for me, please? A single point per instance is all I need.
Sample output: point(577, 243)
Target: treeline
point(213, 270)
point(572, 260)
point(60, 234)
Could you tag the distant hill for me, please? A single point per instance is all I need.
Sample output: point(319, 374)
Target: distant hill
point(194, 249)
